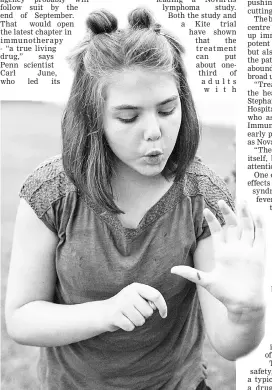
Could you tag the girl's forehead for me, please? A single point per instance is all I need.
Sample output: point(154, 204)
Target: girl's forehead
point(139, 83)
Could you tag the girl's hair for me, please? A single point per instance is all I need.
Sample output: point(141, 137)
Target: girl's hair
point(87, 158)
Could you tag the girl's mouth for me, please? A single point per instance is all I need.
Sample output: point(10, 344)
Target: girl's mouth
point(154, 153)
point(153, 157)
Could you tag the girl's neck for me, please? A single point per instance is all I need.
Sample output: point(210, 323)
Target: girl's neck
point(135, 194)
point(128, 182)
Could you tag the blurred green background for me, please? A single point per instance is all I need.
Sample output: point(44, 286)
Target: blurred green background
point(30, 134)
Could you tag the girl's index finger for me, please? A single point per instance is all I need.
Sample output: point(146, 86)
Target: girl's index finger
point(152, 295)
point(215, 228)
point(213, 223)
point(229, 216)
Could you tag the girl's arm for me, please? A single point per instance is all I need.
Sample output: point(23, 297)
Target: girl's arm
point(31, 316)
point(229, 272)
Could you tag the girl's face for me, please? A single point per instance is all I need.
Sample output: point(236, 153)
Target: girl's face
point(142, 118)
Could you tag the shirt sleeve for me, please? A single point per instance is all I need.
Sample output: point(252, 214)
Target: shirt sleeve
point(211, 202)
point(206, 189)
point(44, 190)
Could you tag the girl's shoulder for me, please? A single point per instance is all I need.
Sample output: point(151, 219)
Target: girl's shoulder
point(200, 180)
point(47, 184)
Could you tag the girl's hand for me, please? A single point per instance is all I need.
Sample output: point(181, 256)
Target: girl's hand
point(239, 253)
point(132, 306)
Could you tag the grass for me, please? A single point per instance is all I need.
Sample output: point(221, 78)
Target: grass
point(30, 134)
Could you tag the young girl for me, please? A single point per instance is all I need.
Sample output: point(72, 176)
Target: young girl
point(112, 257)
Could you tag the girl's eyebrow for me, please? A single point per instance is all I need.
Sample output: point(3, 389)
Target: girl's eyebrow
point(169, 100)
point(129, 107)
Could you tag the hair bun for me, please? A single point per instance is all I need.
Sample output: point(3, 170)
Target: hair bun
point(141, 18)
point(101, 22)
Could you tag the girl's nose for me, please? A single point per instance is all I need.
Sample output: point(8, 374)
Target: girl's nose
point(152, 131)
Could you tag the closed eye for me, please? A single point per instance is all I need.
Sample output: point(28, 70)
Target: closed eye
point(168, 112)
point(133, 118)
point(128, 120)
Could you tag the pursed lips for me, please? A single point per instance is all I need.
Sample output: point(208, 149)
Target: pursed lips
point(153, 152)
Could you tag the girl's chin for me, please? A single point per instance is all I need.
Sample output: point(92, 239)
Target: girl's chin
point(150, 169)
